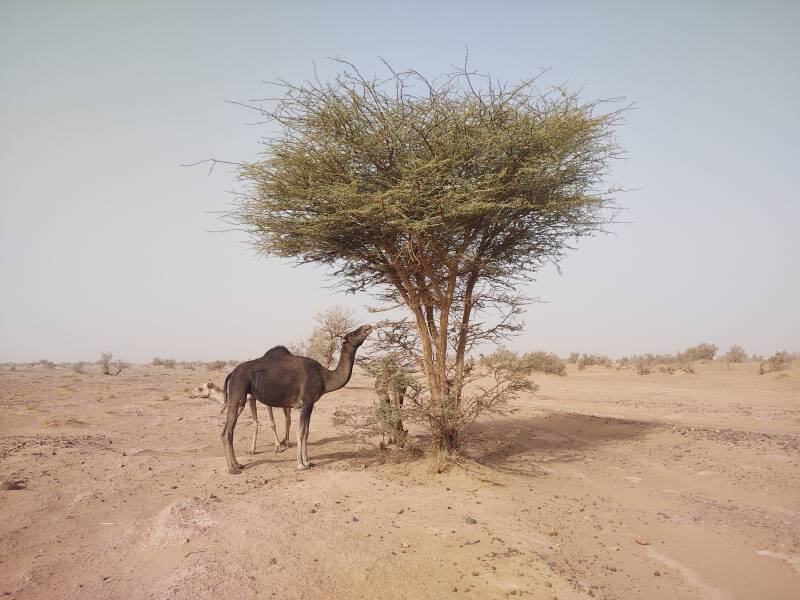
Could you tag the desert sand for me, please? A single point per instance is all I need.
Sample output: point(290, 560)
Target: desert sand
point(603, 484)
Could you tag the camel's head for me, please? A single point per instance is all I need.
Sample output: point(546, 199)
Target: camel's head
point(357, 337)
point(201, 392)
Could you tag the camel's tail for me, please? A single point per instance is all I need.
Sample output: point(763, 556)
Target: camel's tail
point(225, 390)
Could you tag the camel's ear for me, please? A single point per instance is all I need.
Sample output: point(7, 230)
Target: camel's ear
point(210, 385)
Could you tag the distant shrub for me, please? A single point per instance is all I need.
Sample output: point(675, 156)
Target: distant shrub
point(644, 367)
point(780, 361)
point(588, 360)
point(736, 354)
point(110, 368)
point(167, 363)
point(79, 366)
point(216, 365)
point(573, 358)
point(47, 364)
point(545, 362)
point(702, 351)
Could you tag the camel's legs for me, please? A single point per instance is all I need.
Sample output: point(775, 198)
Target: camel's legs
point(274, 430)
point(287, 415)
point(254, 414)
point(302, 436)
point(306, 429)
point(227, 435)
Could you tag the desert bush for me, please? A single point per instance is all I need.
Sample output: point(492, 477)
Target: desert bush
point(735, 354)
point(545, 362)
point(79, 366)
point(112, 368)
point(167, 363)
point(326, 336)
point(47, 364)
point(439, 459)
point(573, 358)
point(216, 365)
point(393, 380)
point(702, 351)
point(588, 360)
point(780, 361)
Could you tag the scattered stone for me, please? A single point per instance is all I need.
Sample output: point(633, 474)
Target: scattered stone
point(7, 484)
point(642, 541)
point(548, 584)
point(657, 573)
point(313, 510)
point(475, 573)
point(401, 511)
point(404, 545)
point(553, 533)
point(273, 561)
point(470, 521)
point(355, 519)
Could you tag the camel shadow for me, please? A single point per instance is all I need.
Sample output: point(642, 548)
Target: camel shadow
point(289, 456)
point(525, 445)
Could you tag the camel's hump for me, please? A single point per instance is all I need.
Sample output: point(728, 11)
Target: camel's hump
point(277, 350)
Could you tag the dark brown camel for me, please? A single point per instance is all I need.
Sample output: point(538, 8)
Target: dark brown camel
point(279, 378)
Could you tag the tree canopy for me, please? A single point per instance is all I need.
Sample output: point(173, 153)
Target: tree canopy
point(440, 195)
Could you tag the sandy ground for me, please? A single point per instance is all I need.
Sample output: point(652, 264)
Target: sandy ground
point(603, 484)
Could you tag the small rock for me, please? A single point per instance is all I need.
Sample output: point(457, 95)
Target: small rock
point(404, 545)
point(470, 521)
point(553, 533)
point(642, 541)
point(273, 561)
point(548, 584)
point(313, 510)
point(7, 484)
point(475, 573)
point(401, 511)
point(355, 519)
point(657, 573)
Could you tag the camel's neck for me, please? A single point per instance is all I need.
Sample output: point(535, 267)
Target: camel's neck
point(338, 377)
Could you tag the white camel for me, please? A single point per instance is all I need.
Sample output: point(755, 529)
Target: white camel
point(213, 391)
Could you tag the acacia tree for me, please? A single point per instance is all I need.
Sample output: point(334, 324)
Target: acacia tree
point(441, 196)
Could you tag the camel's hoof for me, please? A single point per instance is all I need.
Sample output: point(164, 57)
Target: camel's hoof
point(303, 467)
point(234, 471)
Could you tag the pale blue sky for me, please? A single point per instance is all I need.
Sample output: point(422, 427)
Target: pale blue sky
point(104, 241)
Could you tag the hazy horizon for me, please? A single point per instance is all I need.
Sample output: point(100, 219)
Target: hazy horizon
point(107, 243)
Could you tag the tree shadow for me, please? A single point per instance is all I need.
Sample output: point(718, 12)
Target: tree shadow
point(525, 445)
